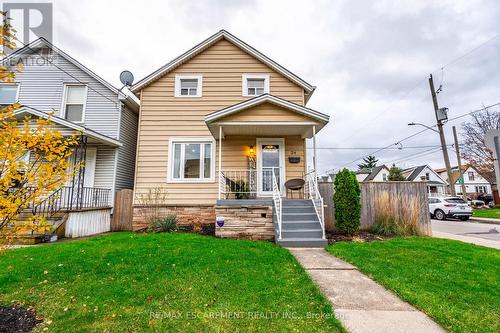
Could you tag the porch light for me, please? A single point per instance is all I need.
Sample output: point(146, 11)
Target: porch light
point(251, 151)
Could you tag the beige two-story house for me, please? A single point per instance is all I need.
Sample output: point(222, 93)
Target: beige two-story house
point(222, 128)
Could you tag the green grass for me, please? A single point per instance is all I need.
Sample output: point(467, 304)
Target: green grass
point(455, 283)
point(127, 282)
point(493, 213)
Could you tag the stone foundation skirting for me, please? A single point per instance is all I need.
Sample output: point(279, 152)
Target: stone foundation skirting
point(186, 215)
point(245, 222)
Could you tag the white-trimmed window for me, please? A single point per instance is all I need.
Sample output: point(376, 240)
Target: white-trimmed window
point(188, 85)
point(191, 159)
point(75, 98)
point(9, 93)
point(255, 84)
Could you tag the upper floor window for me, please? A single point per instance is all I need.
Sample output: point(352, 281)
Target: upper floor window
point(75, 97)
point(384, 177)
point(188, 85)
point(427, 176)
point(9, 94)
point(470, 174)
point(255, 84)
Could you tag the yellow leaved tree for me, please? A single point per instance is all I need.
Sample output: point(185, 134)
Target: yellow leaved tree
point(34, 156)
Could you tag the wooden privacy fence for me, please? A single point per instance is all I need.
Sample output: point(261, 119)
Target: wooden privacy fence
point(409, 198)
point(123, 211)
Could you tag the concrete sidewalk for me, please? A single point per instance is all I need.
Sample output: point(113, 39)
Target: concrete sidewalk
point(359, 303)
point(484, 220)
point(467, 239)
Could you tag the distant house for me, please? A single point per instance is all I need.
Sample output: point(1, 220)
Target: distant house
point(377, 174)
point(435, 183)
point(474, 182)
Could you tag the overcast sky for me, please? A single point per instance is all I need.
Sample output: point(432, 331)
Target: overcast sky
point(369, 59)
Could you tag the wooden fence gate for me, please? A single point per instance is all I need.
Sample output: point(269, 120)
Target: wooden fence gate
point(123, 211)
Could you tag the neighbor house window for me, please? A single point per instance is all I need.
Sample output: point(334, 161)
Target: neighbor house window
point(384, 177)
point(471, 175)
point(188, 86)
point(481, 189)
point(427, 176)
point(255, 84)
point(191, 159)
point(8, 93)
point(75, 97)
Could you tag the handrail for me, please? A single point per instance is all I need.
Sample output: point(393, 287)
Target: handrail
point(316, 198)
point(277, 203)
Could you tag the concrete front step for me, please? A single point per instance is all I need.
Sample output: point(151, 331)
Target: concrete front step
point(299, 209)
point(303, 242)
point(299, 217)
point(302, 233)
point(289, 203)
point(297, 225)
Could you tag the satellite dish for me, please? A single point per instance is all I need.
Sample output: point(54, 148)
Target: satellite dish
point(127, 78)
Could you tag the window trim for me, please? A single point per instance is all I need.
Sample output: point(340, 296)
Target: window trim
point(17, 84)
point(244, 85)
point(199, 87)
point(201, 140)
point(62, 112)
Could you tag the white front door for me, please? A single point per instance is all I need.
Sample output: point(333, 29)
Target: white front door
point(90, 159)
point(270, 159)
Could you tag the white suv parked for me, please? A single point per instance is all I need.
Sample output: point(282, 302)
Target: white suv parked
point(443, 207)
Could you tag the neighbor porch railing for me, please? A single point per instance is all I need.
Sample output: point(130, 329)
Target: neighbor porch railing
point(277, 203)
point(68, 198)
point(312, 192)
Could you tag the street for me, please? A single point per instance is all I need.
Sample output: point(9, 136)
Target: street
point(470, 230)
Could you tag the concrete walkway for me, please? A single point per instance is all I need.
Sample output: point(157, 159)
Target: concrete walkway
point(359, 303)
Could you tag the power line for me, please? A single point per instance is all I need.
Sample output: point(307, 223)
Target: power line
point(453, 61)
point(418, 133)
point(414, 155)
point(369, 148)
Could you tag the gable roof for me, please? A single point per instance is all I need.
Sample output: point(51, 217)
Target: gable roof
point(66, 123)
point(415, 171)
point(456, 175)
point(375, 171)
point(223, 34)
point(41, 42)
point(267, 98)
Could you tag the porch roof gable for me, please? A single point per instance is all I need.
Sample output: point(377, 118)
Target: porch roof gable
point(267, 98)
point(66, 123)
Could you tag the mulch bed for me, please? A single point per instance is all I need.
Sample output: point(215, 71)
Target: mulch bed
point(362, 236)
point(17, 320)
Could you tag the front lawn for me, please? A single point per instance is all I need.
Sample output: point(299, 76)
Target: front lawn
point(493, 213)
point(455, 283)
point(127, 282)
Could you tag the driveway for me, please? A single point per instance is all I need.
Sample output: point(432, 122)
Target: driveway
point(471, 232)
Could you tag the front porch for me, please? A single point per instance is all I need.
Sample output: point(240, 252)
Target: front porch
point(264, 189)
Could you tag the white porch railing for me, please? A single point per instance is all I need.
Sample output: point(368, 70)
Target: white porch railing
point(277, 203)
point(312, 191)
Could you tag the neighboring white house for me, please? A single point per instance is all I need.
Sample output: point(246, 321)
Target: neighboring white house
point(473, 181)
point(436, 185)
point(377, 174)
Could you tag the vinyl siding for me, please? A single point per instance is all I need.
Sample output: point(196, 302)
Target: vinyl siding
point(126, 154)
point(163, 116)
point(266, 112)
point(41, 87)
point(104, 168)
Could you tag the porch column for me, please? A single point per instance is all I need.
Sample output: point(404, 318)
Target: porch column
point(220, 161)
point(314, 155)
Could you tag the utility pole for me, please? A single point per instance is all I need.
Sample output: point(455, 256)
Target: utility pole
point(439, 124)
point(459, 161)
